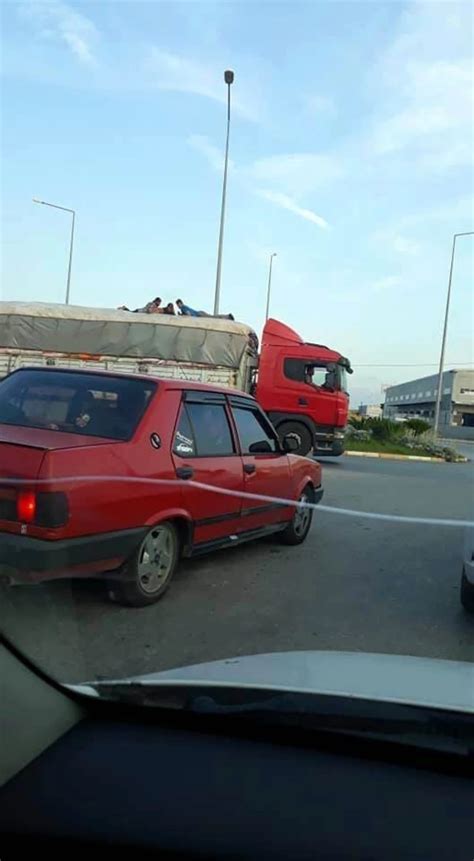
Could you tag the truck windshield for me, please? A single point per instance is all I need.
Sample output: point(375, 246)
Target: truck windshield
point(342, 379)
point(89, 404)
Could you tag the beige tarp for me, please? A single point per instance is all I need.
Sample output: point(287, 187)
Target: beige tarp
point(74, 329)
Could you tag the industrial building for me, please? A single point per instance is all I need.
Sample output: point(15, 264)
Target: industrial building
point(372, 411)
point(417, 398)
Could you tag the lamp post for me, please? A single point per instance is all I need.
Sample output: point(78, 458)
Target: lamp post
point(445, 329)
point(71, 241)
point(228, 78)
point(269, 284)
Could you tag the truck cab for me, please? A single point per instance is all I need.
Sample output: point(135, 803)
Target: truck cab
point(303, 389)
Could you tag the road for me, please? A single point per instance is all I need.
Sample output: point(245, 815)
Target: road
point(356, 584)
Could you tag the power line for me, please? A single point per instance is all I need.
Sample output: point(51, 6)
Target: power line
point(418, 365)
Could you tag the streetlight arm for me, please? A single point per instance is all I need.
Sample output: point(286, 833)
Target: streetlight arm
point(54, 205)
point(71, 240)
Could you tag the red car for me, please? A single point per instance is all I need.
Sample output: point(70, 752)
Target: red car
point(118, 475)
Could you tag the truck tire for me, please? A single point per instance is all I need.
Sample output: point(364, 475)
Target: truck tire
point(146, 576)
point(467, 593)
point(299, 430)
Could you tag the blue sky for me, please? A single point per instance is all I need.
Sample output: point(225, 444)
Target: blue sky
point(351, 157)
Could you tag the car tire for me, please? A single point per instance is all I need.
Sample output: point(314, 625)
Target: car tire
point(467, 593)
point(301, 432)
point(297, 529)
point(146, 576)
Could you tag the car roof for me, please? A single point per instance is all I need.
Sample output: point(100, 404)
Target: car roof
point(165, 383)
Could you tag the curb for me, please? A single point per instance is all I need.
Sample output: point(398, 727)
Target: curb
point(383, 456)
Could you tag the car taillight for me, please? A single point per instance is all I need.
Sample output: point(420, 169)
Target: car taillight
point(26, 506)
point(42, 509)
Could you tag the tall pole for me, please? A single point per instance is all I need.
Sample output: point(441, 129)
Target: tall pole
point(71, 241)
point(71, 246)
point(269, 284)
point(445, 329)
point(228, 78)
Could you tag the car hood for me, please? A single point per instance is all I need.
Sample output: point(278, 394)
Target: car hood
point(389, 678)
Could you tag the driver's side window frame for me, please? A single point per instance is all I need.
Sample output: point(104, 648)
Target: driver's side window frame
point(267, 427)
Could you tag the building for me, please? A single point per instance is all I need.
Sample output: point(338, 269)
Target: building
point(417, 398)
point(372, 411)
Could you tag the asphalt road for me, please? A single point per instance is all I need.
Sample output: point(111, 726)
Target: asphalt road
point(355, 584)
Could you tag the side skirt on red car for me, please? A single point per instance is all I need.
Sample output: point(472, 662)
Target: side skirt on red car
point(236, 539)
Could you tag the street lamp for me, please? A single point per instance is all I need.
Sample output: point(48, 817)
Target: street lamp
point(445, 329)
point(269, 283)
point(71, 242)
point(228, 78)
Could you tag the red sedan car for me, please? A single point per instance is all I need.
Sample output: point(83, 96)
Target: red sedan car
point(106, 474)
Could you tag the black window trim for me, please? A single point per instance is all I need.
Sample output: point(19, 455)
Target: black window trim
point(207, 399)
point(253, 406)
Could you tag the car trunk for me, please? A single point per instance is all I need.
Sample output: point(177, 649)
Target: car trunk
point(22, 451)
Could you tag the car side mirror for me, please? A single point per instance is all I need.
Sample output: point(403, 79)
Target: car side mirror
point(262, 446)
point(290, 443)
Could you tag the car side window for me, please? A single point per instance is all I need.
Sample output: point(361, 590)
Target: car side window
point(211, 429)
point(184, 443)
point(254, 433)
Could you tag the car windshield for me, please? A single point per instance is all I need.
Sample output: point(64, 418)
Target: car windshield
point(86, 404)
point(237, 344)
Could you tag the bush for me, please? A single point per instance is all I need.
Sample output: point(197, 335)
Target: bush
point(418, 426)
point(385, 429)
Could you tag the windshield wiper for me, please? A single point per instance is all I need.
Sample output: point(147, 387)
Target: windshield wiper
point(419, 725)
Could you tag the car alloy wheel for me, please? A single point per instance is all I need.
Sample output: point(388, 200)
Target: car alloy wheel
point(156, 558)
point(302, 517)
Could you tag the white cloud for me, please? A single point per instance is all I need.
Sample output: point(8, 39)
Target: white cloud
point(426, 88)
point(210, 151)
point(286, 202)
point(215, 158)
point(182, 74)
point(297, 173)
point(57, 20)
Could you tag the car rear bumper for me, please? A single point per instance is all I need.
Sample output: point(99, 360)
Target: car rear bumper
point(26, 560)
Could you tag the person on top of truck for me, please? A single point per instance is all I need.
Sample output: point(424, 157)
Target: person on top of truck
point(186, 311)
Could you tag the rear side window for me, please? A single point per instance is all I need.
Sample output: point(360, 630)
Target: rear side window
point(87, 404)
point(254, 431)
point(184, 444)
point(203, 431)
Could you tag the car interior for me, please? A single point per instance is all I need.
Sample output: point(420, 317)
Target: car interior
point(114, 778)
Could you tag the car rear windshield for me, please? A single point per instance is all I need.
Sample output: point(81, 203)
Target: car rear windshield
point(87, 404)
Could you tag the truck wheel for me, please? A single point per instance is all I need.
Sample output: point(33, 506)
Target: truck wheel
point(299, 525)
point(467, 593)
point(146, 577)
point(301, 432)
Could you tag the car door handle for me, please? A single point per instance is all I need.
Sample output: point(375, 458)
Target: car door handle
point(185, 472)
point(249, 468)
point(302, 402)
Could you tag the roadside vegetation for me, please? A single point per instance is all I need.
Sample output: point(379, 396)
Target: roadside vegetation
point(414, 437)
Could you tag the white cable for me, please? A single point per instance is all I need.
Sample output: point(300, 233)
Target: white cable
point(345, 512)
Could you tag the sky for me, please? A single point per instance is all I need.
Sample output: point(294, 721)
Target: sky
point(351, 155)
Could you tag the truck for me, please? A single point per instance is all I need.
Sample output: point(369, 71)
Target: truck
point(302, 386)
